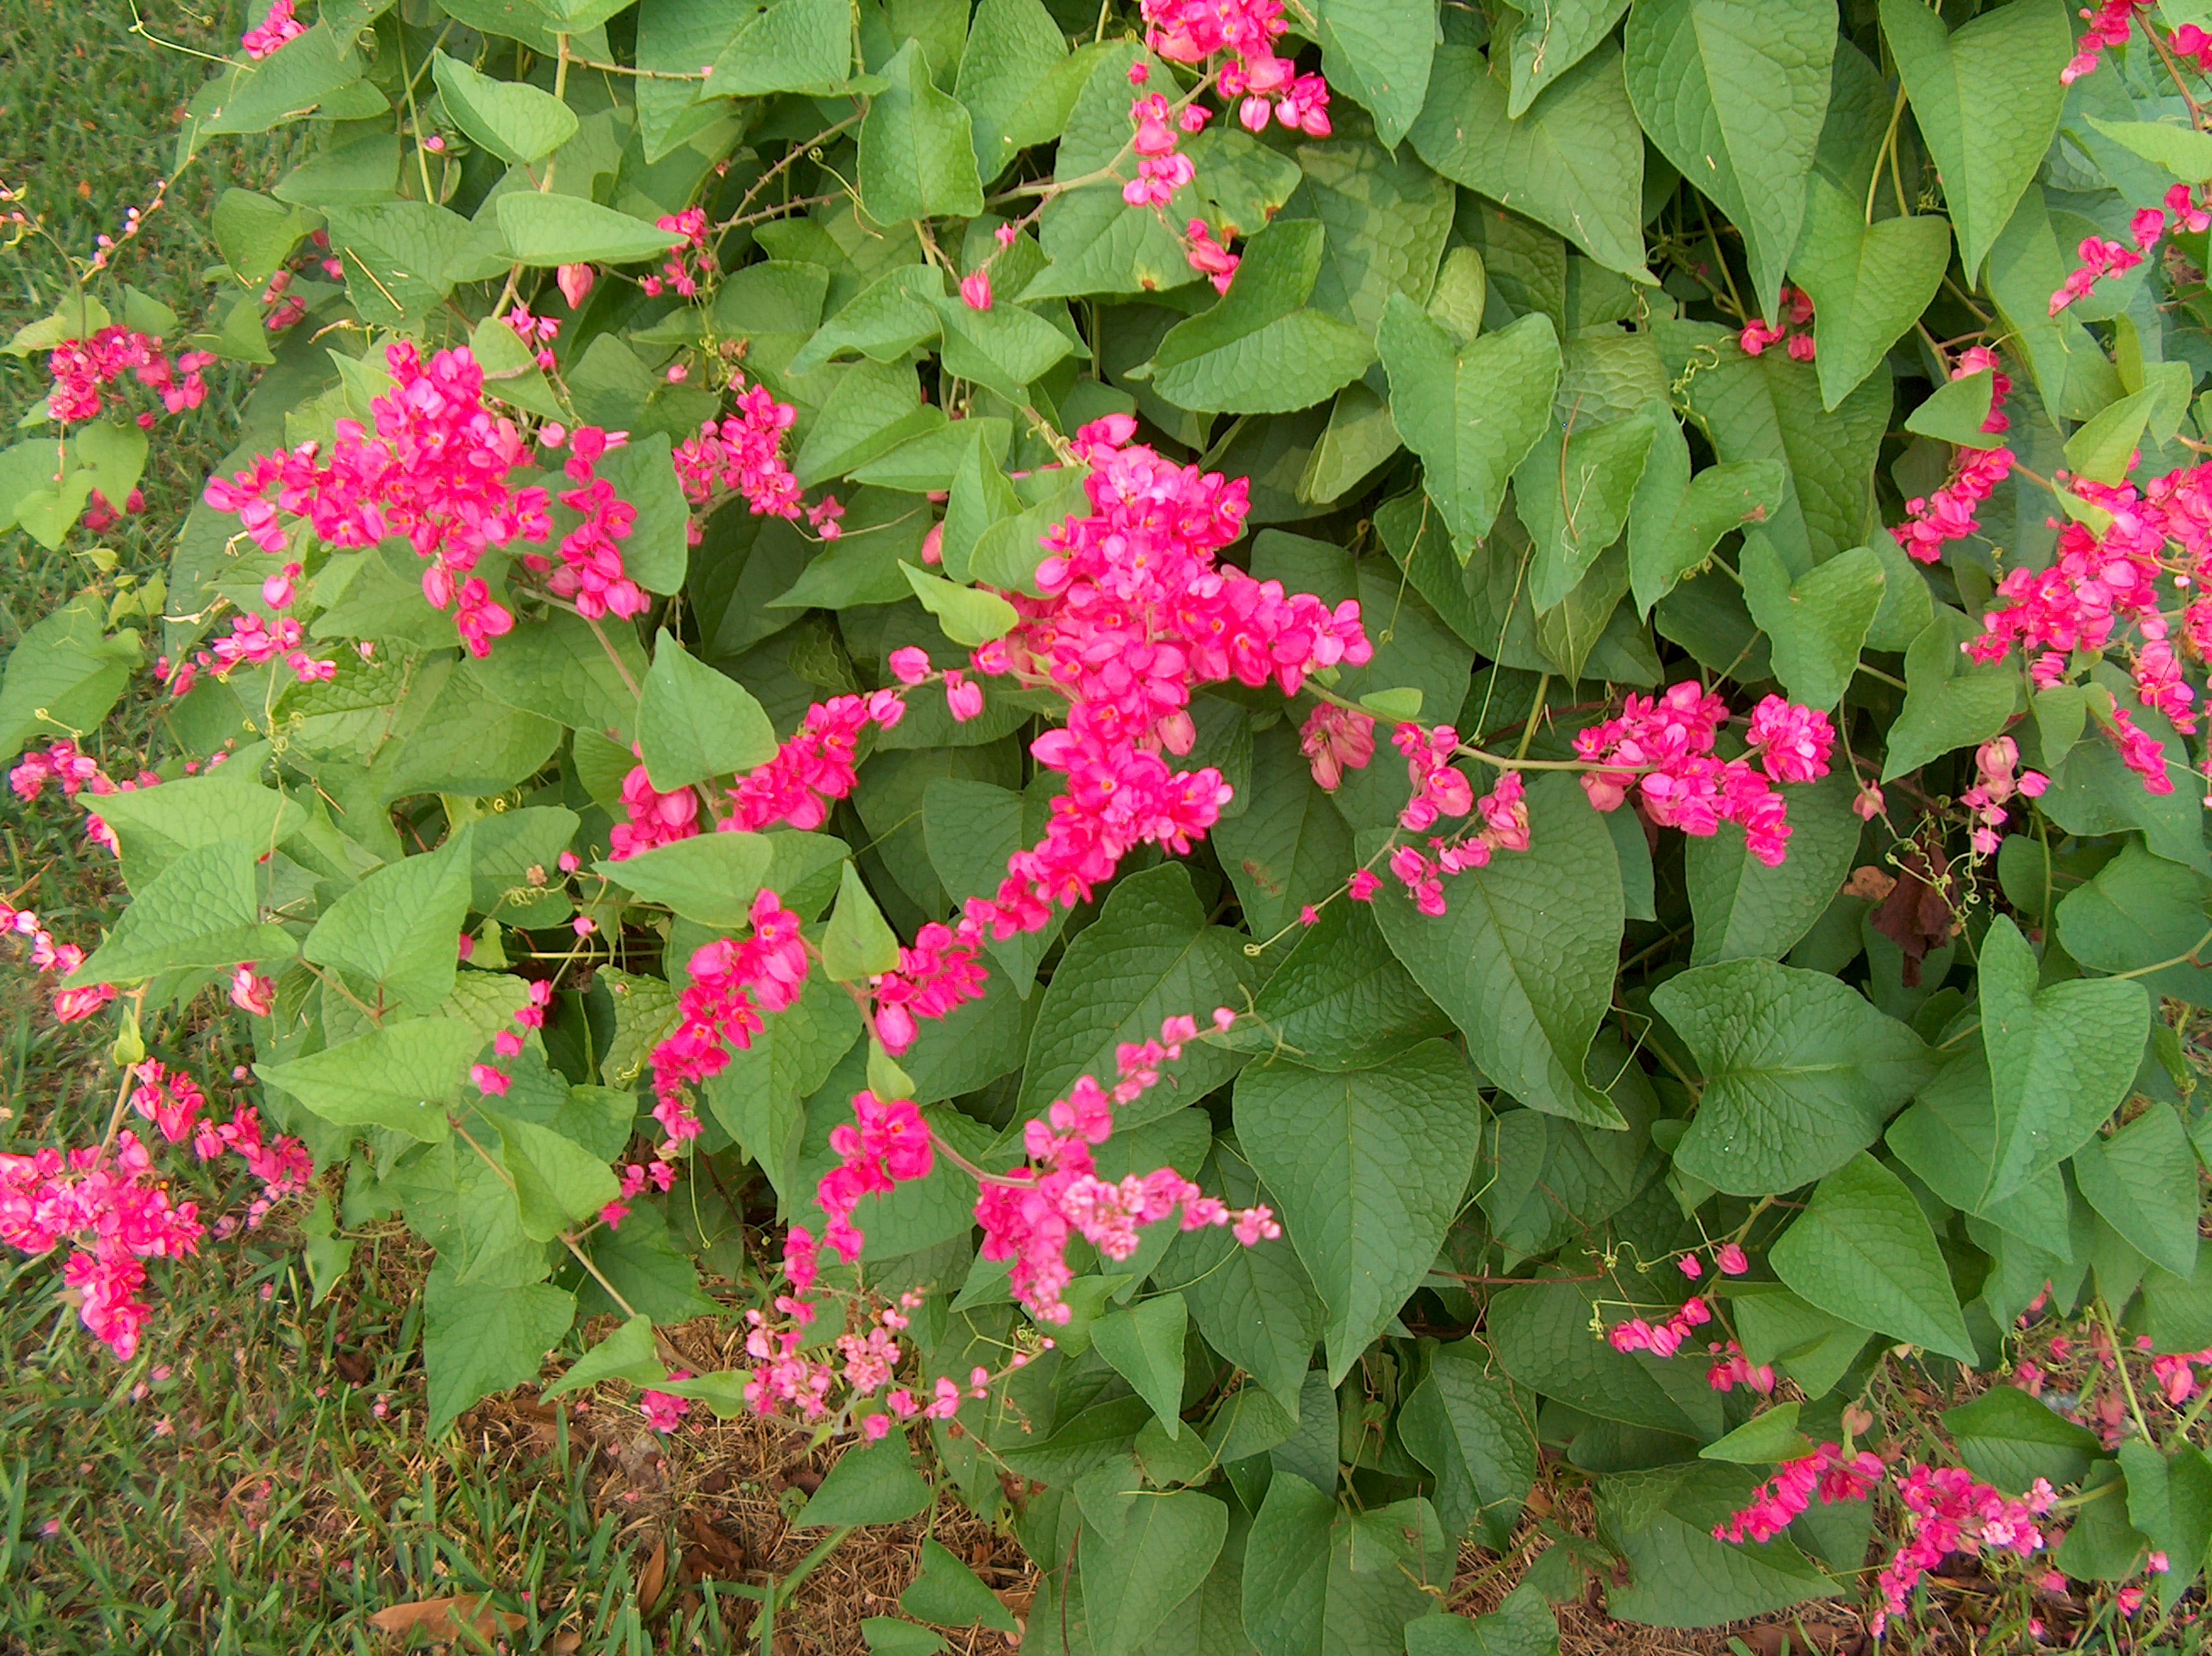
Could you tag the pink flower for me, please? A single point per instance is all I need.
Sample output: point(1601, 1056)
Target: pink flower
point(975, 289)
point(576, 283)
point(909, 665)
point(1335, 739)
point(1363, 886)
point(251, 992)
point(963, 695)
point(663, 1410)
point(276, 27)
point(1731, 1260)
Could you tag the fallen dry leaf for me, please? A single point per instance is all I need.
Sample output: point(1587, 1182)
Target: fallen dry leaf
point(653, 1576)
point(443, 1619)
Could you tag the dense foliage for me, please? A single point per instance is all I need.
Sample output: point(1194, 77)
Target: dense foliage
point(1266, 766)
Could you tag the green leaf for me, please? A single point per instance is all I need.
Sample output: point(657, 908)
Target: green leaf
point(1377, 51)
point(2061, 1058)
point(1143, 1346)
point(2143, 1180)
point(1290, 846)
point(65, 674)
point(1006, 348)
point(949, 1593)
point(1541, 1334)
point(1574, 161)
point(971, 828)
point(1676, 519)
point(1817, 624)
point(889, 1636)
point(760, 1097)
point(658, 550)
point(917, 155)
point(2105, 446)
point(694, 722)
point(1133, 1580)
point(1801, 1072)
point(479, 1339)
point(709, 878)
point(155, 825)
point(1868, 282)
point(791, 45)
point(1548, 42)
point(2101, 1544)
point(2008, 1439)
point(203, 910)
point(1948, 703)
point(2170, 1502)
point(1733, 93)
point(2181, 150)
point(1369, 1167)
point(1340, 1000)
point(1679, 1575)
point(871, 1484)
point(860, 943)
point(2026, 266)
point(556, 1180)
point(1149, 956)
point(1323, 1581)
point(1472, 413)
point(1465, 1426)
point(401, 1076)
point(399, 928)
point(512, 119)
point(1862, 1250)
point(543, 228)
point(1987, 99)
point(625, 1354)
point(1769, 1436)
point(2142, 911)
point(1572, 493)
point(1743, 908)
point(1525, 958)
point(1256, 1305)
point(1956, 412)
point(969, 615)
point(1017, 79)
point(871, 409)
point(1522, 1626)
point(1260, 349)
point(557, 669)
point(1385, 219)
point(1768, 408)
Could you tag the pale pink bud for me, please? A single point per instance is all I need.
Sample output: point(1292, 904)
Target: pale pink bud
point(576, 283)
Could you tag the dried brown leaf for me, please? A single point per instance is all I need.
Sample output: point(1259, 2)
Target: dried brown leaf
point(444, 1620)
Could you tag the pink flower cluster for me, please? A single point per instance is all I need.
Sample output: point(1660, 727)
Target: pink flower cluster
point(1665, 746)
point(435, 471)
point(1245, 32)
point(1797, 314)
point(743, 454)
point(71, 1005)
point(490, 1081)
point(1731, 1368)
point(655, 818)
point(1136, 613)
point(1162, 167)
point(1947, 1510)
point(1335, 739)
point(79, 368)
point(1504, 814)
point(1775, 1505)
point(688, 261)
point(936, 976)
point(1995, 762)
point(2102, 582)
point(635, 1179)
point(117, 1213)
point(114, 1211)
point(2110, 25)
point(731, 983)
point(1029, 1215)
point(592, 574)
point(883, 1146)
point(818, 764)
point(1949, 513)
point(2193, 43)
point(252, 643)
point(2176, 1374)
point(276, 26)
point(1664, 1338)
point(2100, 258)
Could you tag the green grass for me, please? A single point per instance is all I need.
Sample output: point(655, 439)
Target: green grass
point(271, 1489)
